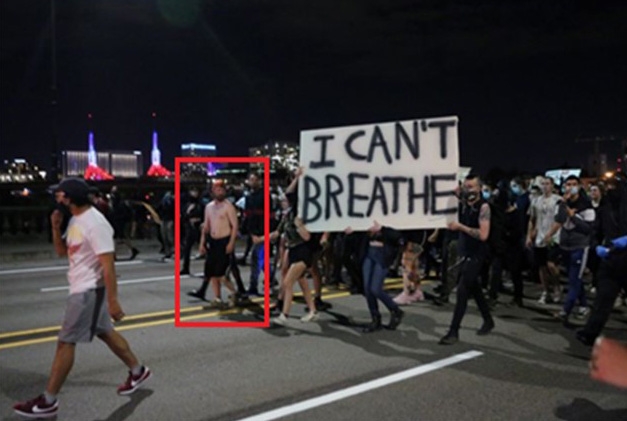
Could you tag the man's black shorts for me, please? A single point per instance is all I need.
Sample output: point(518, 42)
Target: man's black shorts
point(543, 255)
point(217, 260)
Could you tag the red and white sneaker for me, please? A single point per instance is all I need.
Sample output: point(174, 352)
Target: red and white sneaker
point(133, 383)
point(37, 408)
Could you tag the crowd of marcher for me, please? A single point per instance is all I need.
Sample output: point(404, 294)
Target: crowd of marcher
point(559, 236)
point(511, 233)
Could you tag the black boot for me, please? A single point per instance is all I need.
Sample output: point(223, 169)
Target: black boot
point(322, 305)
point(374, 325)
point(134, 253)
point(486, 328)
point(200, 293)
point(450, 338)
point(395, 320)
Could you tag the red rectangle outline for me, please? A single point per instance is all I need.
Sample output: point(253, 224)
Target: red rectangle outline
point(177, 237)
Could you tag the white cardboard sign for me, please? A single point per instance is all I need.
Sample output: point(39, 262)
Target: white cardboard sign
point(401, 174)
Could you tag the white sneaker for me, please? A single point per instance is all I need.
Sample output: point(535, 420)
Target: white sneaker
point(309, 317)
point(232, 300)
point(618, 302)
point(542, 299)
point(583, 312)
point(281, 320)
point(557, 296)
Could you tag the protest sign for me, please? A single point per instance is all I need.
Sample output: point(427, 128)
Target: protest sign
point(401, 174)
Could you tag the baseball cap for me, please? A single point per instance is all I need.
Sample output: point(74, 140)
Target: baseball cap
point(72, 187)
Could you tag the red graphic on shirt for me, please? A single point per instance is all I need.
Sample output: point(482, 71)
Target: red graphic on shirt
point(73, 249)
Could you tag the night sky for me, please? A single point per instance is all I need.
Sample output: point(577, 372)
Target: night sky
point(525, 77)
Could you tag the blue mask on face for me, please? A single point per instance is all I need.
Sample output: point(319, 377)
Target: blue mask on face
point(516, 189)
point(574, 190)
point(485, 194)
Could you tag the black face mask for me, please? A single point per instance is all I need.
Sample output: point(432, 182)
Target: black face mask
point(470, 196)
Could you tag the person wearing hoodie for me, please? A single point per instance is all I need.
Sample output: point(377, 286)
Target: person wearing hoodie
point(575, 216)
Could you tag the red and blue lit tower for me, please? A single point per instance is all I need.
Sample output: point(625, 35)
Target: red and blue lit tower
point(93, 171)
point(156, 169)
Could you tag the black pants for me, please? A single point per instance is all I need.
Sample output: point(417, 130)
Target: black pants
point(612, 277)
point(469, 286)
point(512, 261)
point(346, 255)
point(192, 235)
point(234, 270)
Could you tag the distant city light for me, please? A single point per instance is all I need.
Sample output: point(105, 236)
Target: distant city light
point(187, 146)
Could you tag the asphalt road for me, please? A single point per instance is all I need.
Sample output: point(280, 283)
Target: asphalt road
point(530, 368)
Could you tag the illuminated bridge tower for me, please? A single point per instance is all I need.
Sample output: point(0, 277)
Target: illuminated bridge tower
point(156, 169)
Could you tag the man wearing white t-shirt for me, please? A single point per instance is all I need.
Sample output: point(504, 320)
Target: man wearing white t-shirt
point(542, 214)
point(93, 297)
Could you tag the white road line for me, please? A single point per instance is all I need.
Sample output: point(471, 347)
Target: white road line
point(129, 281)
point(362, 388)
point(51, 268)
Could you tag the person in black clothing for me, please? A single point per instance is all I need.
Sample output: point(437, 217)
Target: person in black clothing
point(192, 216)
point(474, 229)
point(166, 213)
point(611, 223)
point(514, 250)
point(121, 215)
point(346, 255)
point(254, 214)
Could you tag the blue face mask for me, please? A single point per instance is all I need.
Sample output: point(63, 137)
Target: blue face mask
point(516, 189)
point(574, 190)
point(485, 194)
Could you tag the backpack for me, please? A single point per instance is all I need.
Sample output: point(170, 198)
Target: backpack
point(496, 238)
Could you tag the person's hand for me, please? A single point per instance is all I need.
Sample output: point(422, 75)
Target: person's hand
point(56, 219)
point(529, 242)
point(230, 247)
point(609, 362)
point(546, 240)
point(257, 239)
point(603, 252)
point(571, 211)
point(348, 230)
point(566, 196)
point(298, 222)
point(454, 226)
point(115, 310)
point(376, 227)
point(202, 249)
point(299, 172)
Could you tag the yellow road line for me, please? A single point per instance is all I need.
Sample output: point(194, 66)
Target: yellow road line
point(148, 324)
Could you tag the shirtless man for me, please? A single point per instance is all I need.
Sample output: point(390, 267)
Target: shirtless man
point(217, 242)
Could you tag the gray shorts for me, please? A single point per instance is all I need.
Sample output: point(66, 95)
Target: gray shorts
point(86, 315)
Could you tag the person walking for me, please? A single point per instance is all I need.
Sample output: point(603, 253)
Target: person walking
point(93, 300)
point(474, 229)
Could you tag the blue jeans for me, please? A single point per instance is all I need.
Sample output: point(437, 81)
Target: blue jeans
point(255, 268)
point(575, 262)
point(374, 272)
